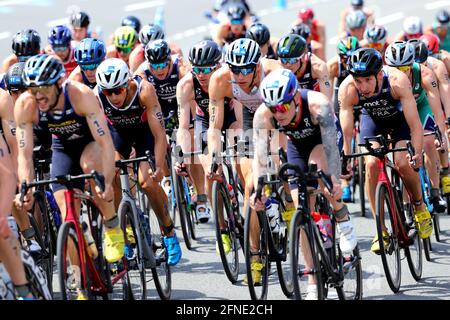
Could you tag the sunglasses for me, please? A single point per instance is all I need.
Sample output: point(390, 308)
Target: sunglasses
point(60, 48)
point(413, 36)
point(40, 89)
point(376, 45)
point(161, 65)
point(89, 67)
point(115, 91)
point(17, 91)
point(281, 108)
point(236, 22)
point(204, 70)
point(290, 60)
point(244, 71)
point(124, 50)
point(404, 68)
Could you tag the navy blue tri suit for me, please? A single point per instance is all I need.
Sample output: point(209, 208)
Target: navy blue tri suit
point(86, 81)
point(202, 113)
point(128, 124)
point(382, 114)
point(70, 136)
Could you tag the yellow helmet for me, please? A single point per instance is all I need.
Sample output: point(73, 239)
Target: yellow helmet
point(125, 38)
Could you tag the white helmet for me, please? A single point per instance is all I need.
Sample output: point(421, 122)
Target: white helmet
point(400, 53)
point(243, 52)
point(279, 87)
point(412, 25)
point(112, 73)
point(355, 19)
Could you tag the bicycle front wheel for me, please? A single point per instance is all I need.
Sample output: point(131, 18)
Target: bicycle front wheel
point(182, 207)
point(387, 239)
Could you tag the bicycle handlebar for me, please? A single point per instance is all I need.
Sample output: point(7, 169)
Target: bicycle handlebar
point(437, 133)
point(121, 164)
point(313, 174)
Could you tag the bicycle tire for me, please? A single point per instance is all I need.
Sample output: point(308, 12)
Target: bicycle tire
point(415, 261)
point(182, 208)
point(361, 182)
point(427, 248)
point(191, 216)
point(231, 267)
point(347, 265)
point(300, 271)
point(36, 277)
point(263, 253)
point(136, 266)
point(437, 226)
point(393, 274)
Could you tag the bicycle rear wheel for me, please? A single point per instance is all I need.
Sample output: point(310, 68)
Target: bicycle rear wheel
point(390, 253)
point(182, 207)
point(437, 226)
point(36, 277)
point(222, 207)
point(427, 248)
point(303, 258)
point(361, 182)
point(257, 221)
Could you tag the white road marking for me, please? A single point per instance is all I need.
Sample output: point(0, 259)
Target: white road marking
point(437, 4)
point(5, 35)
point(390, 18)
point(143, 5)
point(14, 2)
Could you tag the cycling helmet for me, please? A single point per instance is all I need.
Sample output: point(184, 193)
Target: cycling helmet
point(420, 50)
point(347, 46)
point(79, 20)
point(302, 30)
point(375, 34)
point(205, 53)
point(125, 38)
point(42, 70)
point(59, 36)
point(432, 42)
point(365, 62)
point(90, 51)
point(133, 22)
point(13, 78)
point(400, 53)
point(26, 43)
point(279, 87)
point(291, 46)
point(412, 25)
point(157, 51)
point(443, 17)
point(236, 13)
point(112, 73)
point(243, 52)
point(150, 32)
point(306, 14)
point(355, 19)
point(258, 32)
point(357, 3)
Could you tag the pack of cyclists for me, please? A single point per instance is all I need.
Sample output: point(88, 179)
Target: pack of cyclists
point(93, 102)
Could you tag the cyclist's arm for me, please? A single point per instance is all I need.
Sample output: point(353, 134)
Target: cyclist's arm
point(220, 33)
point(9, 125)
point(184, 67)
point(8, 62)
point(347, 98)
point(136, 58)
point(332, 66)
point(8, 180)
point(444, 85)
point(322, 113)
point(430, 84)
point(446, 60)
point(25, 110)
point(155, 121)
point(318, 49)
point(320, 72)
point(184, 98)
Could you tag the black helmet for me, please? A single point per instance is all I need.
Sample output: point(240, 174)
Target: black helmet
point(26, 43)
point(132, 21)
point(258, 32)
point(357, 3)
point(236, 13)
point(157, 51)
point(79, 20)
point(302, 29)
point(443, 17)
point(420, 50)
point(365, 62)
point(13, 78)
point(205, 53)
point(291, 46)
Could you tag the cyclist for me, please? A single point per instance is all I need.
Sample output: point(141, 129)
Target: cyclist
point(311, 72)
point(88, 54)
point(135, 120)
point(355, 22)
point(25, 44)
point(432, 42)
point(412, 29)
point(59, 39)
point(124, 42)
point(314, 47)
point(401, 55)
point(261, 34)
point(317, 28)
point(306, 117)
point(440, 28)
point(376, 37)
point(148, 33)
point(79, 23)
point(234, 28)
point(388, 107)
point(81, 139)
point(133, 22)
point(355, 5)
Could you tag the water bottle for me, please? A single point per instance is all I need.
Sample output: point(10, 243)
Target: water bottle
point(232, 194)
point(56, 214)
point(13, 226)
point(6, 285)
point(323, 223)
point(159, 17)
point(272, 212)
point(92, 248)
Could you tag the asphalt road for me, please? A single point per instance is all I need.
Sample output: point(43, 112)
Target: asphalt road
point(200, 275)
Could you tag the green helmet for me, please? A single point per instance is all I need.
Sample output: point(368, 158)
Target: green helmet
point(346, 46)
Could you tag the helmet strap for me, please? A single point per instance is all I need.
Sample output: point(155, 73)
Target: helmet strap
point(253, 78)
point(59, 91)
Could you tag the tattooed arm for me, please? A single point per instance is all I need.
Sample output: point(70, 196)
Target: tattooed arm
point(444, 84)
point(8, 180)
point(320, 72)
point(9, 125)
point(185, 97)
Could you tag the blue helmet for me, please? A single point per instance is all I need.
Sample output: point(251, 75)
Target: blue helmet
point(279, 87)
point(59, 36)
point(90, 51)
point(42, 70)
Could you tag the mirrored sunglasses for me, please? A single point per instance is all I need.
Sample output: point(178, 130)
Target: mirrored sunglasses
point(244, 71)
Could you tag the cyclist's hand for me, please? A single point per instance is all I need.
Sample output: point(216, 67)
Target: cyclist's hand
point(181, 169)
point(214, 176)
point(417, 159)
point(5, 230)
point(336, 193)
point(258, 205)
point(108, 195)
point(156, 176)
point(27, 201)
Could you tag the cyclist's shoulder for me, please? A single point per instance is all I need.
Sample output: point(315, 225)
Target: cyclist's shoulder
point(186, 83)
point(76, 75)
point(270, 65)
